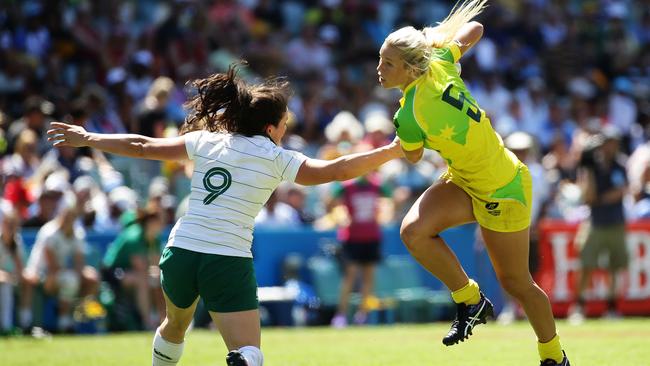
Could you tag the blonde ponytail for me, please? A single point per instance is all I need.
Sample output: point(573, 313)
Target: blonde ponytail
point(416, 47)
point(443, 34)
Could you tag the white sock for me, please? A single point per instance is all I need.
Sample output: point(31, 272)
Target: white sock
point(6, 306)
point(253, 355)
point(25, 317)
point(165, 353)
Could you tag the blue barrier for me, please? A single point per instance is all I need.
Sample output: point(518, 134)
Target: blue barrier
point(271, 245)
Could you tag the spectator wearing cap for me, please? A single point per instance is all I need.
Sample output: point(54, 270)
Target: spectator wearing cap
point(91, 201)
point(12, 253)
point(342, 133)
point(160, 198)
point(122, 205)
point(139, 80)
point(603, 181)
point(622, 109)
point(53, 189)
point(57, 262)
point(378, 129)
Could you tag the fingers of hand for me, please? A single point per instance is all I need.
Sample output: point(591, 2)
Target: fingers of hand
point(57, 135)
point(59, 124)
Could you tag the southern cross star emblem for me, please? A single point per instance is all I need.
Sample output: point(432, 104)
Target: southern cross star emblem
point(447, 133)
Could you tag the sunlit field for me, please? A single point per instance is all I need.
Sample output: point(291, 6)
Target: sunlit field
point(595, 343)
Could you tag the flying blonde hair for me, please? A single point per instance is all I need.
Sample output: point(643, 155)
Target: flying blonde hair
point(417, 46)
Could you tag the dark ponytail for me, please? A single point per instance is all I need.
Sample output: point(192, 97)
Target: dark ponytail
point(225, 103)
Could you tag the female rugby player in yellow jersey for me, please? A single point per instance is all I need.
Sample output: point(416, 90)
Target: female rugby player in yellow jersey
point(485, 182)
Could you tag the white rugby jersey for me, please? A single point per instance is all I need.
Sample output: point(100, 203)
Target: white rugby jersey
point(233, 177)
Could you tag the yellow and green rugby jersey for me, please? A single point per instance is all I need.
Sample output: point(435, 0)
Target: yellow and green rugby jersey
point(438, 112)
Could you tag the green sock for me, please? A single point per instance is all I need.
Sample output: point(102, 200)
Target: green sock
point(551, 349)
point(468, 294)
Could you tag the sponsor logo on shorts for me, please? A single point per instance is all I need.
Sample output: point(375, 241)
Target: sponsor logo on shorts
point(491, 207)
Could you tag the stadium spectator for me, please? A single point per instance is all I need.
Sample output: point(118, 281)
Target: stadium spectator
point(484, 182)
point(12, 253)
point(360, 238)
point(52, 190)
point(276, 213)
point(35, 118)
point(603, 181)
point(130, 266)
point(537, 49)
point(57, 262)
point(232, 133)
point(295, 196)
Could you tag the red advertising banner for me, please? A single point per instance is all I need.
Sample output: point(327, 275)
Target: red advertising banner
point(560, 261)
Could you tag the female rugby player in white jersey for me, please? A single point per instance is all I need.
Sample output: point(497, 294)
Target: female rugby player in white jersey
point(232, 133)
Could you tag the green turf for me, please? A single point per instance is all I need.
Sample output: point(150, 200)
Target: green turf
point(595, 343)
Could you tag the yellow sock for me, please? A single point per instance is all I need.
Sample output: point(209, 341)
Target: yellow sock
point(551, 349)
point(468, 294)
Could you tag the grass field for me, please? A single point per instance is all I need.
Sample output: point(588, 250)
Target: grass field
point(595, 343)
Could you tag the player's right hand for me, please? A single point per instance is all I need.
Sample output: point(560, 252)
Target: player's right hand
point(63, 134)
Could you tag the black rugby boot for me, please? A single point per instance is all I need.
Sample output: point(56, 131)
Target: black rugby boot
point(467, 317)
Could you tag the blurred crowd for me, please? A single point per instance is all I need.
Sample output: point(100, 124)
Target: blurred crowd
point(560, 80)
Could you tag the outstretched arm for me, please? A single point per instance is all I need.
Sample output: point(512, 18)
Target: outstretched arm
point(315, 171)
point(468, 35)
point(134, 146)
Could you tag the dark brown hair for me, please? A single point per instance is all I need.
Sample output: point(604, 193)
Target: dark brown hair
point(225, 103)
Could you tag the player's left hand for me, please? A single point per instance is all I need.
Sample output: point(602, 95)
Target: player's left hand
point(63, 134)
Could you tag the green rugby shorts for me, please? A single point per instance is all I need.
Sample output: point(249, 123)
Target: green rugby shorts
point(226, 284)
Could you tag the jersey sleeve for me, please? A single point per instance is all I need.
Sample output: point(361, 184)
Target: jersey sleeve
point(191, 143)
point(410, 135)
point(450, 54)
point(287, 163)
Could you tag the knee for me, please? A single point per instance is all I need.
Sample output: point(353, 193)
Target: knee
point(412, 232)
point(516, 286)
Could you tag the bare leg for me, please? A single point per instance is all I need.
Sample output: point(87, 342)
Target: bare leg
point(367, 285)
point(239, 328)
point(176, 321)
point(351, 274)
point(583, 281)
point(138, 281)
point(89, 281)
point(509, 255)
point(440, 207)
